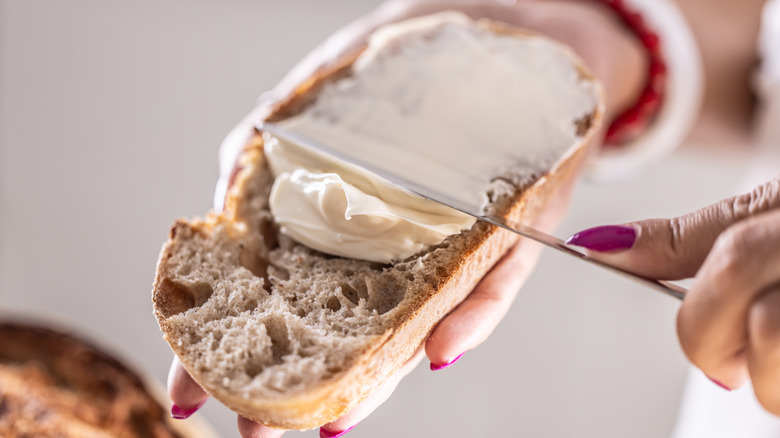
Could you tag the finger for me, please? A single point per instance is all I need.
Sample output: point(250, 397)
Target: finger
point(713, 320)
point(674, 248)
point(250, 429)
point(187, 396)
point(373, 401)
point(479, 314)
point(763, 352)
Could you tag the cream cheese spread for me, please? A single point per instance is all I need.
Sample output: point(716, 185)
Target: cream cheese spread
point(344, 210)
point(443, 102)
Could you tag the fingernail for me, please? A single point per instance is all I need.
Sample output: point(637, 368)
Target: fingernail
point(325, 434)
point(719, 384)
point(182, 414)
point(606, 238)
point(435, 367)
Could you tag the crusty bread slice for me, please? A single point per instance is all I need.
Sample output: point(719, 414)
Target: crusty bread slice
point(293, 338)
point(54, 384)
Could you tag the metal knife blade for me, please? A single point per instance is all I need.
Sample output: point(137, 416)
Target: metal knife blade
point(453, 202)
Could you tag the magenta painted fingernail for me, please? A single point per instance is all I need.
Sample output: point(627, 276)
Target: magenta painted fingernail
point(435, 367)
point(606, 238)
point(719, 384)
point(182, 414)
point(325, 434)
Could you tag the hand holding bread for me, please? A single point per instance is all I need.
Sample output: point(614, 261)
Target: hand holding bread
point(462, 329)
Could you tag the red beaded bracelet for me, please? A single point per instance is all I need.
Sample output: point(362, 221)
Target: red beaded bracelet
point(631, 122)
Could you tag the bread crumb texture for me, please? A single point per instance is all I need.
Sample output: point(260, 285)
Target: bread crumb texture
point(275, 317)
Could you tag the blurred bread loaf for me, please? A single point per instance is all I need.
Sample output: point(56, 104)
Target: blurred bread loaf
point(55, 385)
point(294, 338)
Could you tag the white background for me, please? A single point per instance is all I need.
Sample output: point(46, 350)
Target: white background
point(110, 117)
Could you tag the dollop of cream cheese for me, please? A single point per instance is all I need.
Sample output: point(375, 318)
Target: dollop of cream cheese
point(341, 209)
point(446, 104)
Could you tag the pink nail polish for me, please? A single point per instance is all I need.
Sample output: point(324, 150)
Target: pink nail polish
point(719, 384)
point(606, 238)
point(182, 414)
point(435, 367)
point(325, 434)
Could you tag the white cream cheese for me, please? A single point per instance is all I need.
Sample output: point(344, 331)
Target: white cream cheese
point(343, 210)
point(445, 104)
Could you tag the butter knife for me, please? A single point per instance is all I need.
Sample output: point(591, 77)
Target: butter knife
point(666, 287)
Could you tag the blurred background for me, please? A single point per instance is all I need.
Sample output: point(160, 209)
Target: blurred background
point(111, 113)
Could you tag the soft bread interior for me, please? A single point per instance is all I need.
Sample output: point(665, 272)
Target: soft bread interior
point(276, 317)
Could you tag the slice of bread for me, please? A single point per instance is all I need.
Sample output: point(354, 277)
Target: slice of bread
point(54, 384)
point(294, 338)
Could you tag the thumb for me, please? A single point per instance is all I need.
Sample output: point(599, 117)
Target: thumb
point(672, 249)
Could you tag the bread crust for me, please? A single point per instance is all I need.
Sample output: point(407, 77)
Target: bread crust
point(408, 327)
point(54, 384)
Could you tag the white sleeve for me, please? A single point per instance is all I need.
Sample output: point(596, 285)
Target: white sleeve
point(706, 410)
point(682, 96)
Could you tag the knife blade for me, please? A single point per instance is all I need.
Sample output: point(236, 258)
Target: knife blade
point(548, 240)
